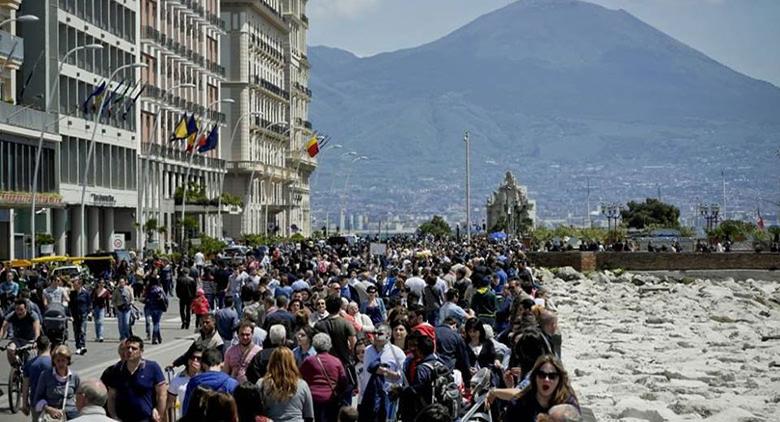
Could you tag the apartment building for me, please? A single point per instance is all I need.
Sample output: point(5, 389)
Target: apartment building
point(21, 120)
point(107, 220)
point(180, 43)
point(267, 75)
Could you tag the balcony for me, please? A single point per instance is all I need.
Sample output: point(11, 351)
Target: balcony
point(305, 19)
point(261, 170)
point(183, 157)
point(259, 123)
point(270, 86)
point(11, 47)
point(28, 118)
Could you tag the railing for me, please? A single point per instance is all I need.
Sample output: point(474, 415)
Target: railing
point(262, 169)
point(261, 123)
point(182, 156)
point(302, 88)
point(28, 118)
point(305, 19)
point(270, 86)
point(11, 47)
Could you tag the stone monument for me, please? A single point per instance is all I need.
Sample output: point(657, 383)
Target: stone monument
point(509, 209)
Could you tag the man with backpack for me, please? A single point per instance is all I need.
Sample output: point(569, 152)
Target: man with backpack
point(122, 300)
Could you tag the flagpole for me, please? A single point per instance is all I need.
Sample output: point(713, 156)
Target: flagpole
point(140, 165)
point(39, 149)
point(189, 167)
point(245, 218)
point(92, 149)
point(229, 149)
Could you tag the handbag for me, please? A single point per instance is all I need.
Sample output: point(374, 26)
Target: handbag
point(45, 417)
point(331, 384)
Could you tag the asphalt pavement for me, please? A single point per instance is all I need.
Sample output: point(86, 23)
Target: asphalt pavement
point(100, 355)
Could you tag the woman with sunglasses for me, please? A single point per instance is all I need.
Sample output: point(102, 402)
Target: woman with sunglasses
point(178, 385)
point(549, 387)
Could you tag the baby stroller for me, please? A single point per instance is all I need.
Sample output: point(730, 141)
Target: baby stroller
point(480, 385)
point(55, 324)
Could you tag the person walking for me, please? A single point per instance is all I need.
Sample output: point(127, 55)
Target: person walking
point(55, 392)
point(80, 305)
point(186, 289)
point(122, 299)
point(239, 356)
point(101, 301)
point(326, 378)
point(287, 397)
point(32, 370)
point(155, 304)
point(137, 390)
point(91, 397)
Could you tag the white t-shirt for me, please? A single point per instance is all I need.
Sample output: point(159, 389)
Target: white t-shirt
point(200, 259)
point(178, 386)
point(417, 285)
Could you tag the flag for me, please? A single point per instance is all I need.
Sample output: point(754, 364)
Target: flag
point(211, 141)
point(110, 100)
point(192, 132)
point(95, 96)
point(180, 132)
point(129, 104)
point(29, 77)
point(120, 98)
point(760, 221)
point(313, 146)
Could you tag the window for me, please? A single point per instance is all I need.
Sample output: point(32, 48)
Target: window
point(73, 164)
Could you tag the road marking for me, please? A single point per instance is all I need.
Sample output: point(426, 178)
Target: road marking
point(96, 370)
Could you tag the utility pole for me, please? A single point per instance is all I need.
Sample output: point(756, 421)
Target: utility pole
point(723, 207)
point(468, 186)
point(587, 206)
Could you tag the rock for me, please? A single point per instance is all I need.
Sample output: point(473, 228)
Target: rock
point(732, 414)
point(569, 274)
point(657, 320)
point(544, 275)
point(636, 408)
point(600, 278)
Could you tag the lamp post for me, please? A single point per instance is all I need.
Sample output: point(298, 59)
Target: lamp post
point(468, 185)
point(141, 196)
point(346, 185)
point(222, 180)
point(23, 18)
point(189, 166)
point(92, 149)
point(39, 149)
point(611, 210)
point(710, 212)
point(245, 219)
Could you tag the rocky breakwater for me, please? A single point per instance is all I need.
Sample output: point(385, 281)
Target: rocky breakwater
point(648, 348)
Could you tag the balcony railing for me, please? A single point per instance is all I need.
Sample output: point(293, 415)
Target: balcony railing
point(182, 156)
point(27, 118)
point(11, 47)
point(270, 86)
point(305, 19)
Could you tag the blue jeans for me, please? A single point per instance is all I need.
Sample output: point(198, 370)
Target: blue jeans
point(220, 300)
point(123, 320)
point(98, 314)
point(238, 304)
point(80, 330)
point(156, 316)
point(211, 299)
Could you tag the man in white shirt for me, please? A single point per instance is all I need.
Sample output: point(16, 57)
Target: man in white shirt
point(385, 359)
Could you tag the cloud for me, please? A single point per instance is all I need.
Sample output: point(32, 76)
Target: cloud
point(350, 9)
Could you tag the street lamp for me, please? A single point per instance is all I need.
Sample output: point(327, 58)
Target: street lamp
point(710, 213)
point(39, 150)
point(346, 185)
point(222, 180)
point(611, 210)
point(141, 196)
point(92, 149)
point(23, 18)
point(468, 185)
point(189, 167)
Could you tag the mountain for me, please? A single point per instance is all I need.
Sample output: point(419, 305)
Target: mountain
point(538, 83)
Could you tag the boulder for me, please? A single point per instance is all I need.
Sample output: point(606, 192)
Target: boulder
point(569, 274)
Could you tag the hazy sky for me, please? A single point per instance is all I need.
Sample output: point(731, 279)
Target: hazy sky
point(742, 34)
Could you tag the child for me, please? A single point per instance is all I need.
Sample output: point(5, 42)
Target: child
point(200, 307)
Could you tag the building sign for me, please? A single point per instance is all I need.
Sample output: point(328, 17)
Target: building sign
point(103, 199)
point(44, 199)
point(378, 248)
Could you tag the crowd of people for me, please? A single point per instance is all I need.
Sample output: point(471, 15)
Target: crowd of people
point(304, 331)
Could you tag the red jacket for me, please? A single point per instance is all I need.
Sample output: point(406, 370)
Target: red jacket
point(323, 386)
point(200, 306)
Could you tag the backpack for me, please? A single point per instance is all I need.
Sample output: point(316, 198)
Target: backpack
point(445, 391)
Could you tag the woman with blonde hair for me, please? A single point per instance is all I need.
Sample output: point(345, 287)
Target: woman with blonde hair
point(55, 393)
point(286, 396)
point(549, 386)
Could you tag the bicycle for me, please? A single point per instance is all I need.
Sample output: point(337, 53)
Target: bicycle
point(23, 354)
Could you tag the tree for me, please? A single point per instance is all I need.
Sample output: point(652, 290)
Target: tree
point(437, 227)
point(651, 212)
point(734, 230)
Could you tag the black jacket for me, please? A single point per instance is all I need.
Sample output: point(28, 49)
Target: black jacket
point(186, 287)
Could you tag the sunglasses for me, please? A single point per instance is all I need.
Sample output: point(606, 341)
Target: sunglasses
point(195, 357)
point(552, 376)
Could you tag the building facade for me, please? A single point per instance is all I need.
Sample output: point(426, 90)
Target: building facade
point(111, 169)
point(267, 74)
point(180, 43)
point(21, 120)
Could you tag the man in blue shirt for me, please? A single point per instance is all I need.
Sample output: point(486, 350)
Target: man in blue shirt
point(227, 319)
point(211, 378)
point(137, 390)
point(33, 369)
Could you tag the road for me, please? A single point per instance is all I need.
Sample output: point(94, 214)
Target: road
point(100, 355)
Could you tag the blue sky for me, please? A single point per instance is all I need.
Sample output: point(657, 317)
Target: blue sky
point(742, 34)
